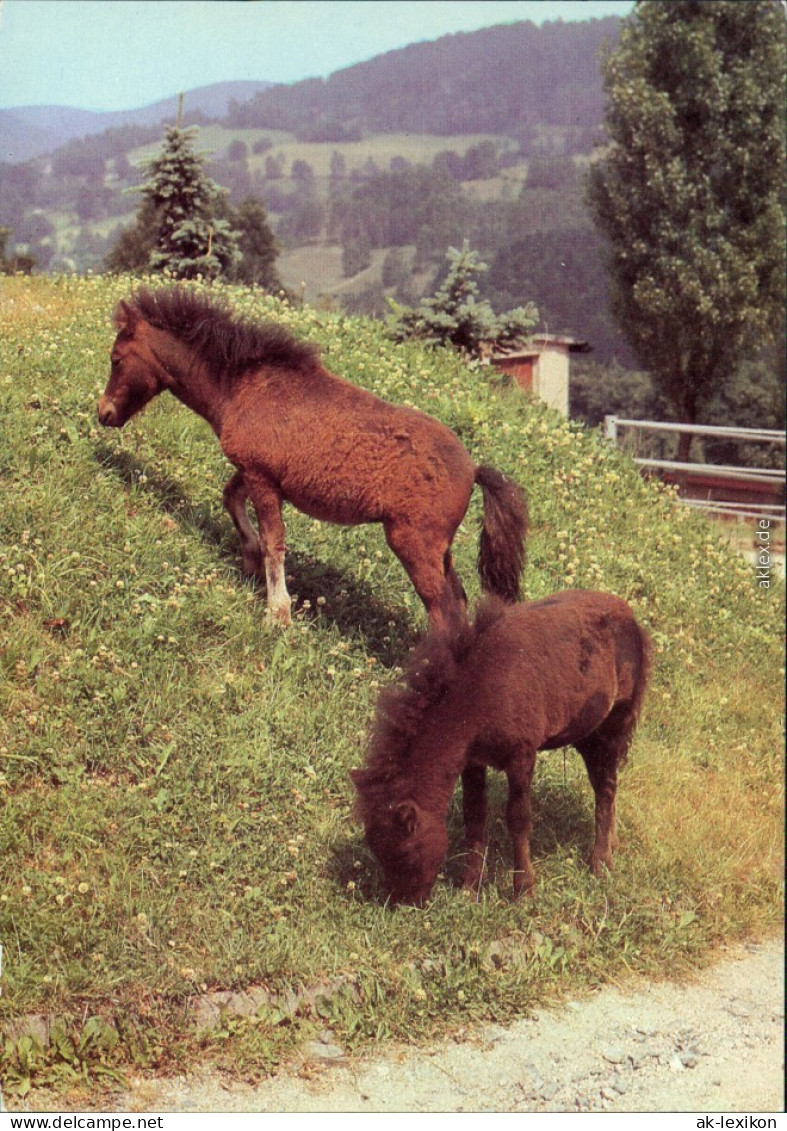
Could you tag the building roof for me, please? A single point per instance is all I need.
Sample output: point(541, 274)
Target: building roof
point(521, 351)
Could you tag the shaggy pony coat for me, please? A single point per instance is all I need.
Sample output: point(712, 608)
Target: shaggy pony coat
point(297, 433)
point(570, 669)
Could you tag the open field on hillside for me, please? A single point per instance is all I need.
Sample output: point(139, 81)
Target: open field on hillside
point(309, 271)
point(381, 148)
point(316, 270)
point(174, 772)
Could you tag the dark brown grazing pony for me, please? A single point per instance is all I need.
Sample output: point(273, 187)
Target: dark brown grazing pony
point(297, 433)
point(570, 669)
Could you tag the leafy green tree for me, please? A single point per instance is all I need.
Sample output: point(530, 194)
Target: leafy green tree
point(597, 389)
point(338, 168)
point(303, 173)
point(563, 272)
point(274, 167)
point(414, 205)
point(13, 264)
point(122, 167)
point(482, 161)
point(237, 150)
point(691, 190)
point(5, 235)
point(356, 256)
point(304, 222)
point(455, 316)
point(258, 246)
point(394, 268)
point(131, 251)
point(550, 172)
point(191, 239)
point(756, 393)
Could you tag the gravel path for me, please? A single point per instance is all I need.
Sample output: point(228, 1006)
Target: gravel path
point(715, 1044)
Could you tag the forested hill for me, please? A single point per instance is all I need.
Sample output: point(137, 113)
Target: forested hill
point(482, 136)
point(503, 79)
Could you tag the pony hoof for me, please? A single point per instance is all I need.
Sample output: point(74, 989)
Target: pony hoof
point(280, 618)
point(524, 884)
point(472, 879)
point(599, 863)
point(253, 567)
point(528, 892)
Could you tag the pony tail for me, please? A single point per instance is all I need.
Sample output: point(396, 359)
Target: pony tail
point(628, 724)
point(501, 552)
point(643, 675)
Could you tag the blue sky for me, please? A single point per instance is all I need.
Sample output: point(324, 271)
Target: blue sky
point(121, 54)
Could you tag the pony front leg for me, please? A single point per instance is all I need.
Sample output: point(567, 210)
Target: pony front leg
point(235, 496)
point(519, 819)
point(474, 811)
point(267, 505)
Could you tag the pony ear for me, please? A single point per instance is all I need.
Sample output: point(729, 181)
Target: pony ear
point(406, 816)
point(126, 318)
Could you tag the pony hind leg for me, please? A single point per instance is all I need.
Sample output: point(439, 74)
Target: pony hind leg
point(519, 817)
point(603, 752)
point(427, 559)
point(234, 498)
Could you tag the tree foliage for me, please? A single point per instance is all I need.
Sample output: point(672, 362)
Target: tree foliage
point(356, 256)
point(131, 250)
point(691, 190)
point(186, 226)
point(13, 264)
point(563, 273)
point(257, 246)
point(455, 316)
point(495, 80)
point(191, 237)
point(414, 205)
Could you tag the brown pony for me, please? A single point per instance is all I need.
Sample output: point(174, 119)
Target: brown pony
point(297, 433)
point(570, 669)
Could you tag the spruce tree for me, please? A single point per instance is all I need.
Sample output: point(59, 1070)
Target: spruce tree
point(455, 316)
point(191, 237)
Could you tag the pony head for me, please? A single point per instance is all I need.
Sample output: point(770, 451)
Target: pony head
point(409, 843)
point(136, 375)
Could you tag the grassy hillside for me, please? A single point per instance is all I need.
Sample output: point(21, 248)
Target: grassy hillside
point(381, 148)
point(174, 773)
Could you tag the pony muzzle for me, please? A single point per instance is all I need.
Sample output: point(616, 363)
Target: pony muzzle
point(107, 413)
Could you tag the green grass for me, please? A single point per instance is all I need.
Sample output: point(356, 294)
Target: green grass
point(174, 773)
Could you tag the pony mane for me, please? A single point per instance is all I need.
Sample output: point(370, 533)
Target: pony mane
point(229, 344)
point(402, 707)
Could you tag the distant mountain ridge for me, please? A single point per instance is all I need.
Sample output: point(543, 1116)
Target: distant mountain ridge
point(367, 176)
point(32, 131)
point(501, 80)
point(504, 79)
